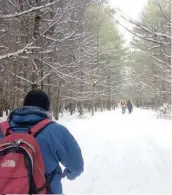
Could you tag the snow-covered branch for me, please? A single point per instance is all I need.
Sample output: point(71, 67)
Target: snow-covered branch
point(22, 78)
point(33, 9)
point(15, 54)
point(44, 77)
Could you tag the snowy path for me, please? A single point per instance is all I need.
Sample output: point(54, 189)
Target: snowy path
point(122, 153)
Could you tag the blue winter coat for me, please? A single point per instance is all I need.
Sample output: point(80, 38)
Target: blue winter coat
point(56, 144)
point(130, 106)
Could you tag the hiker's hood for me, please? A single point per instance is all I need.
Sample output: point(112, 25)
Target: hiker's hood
point(27, 115)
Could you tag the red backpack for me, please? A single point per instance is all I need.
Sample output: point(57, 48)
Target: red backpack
point(21, 163)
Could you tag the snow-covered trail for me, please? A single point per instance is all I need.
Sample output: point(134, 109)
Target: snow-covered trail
point(122, 153)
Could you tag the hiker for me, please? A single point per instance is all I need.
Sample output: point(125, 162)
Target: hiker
point(54, 141)
point(129, 106)
point(123, 105)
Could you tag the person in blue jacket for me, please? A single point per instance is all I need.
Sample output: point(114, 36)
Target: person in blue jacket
point(130, 106)
point(56, 142)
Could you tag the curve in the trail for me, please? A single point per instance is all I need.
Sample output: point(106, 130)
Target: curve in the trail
point(122, 153)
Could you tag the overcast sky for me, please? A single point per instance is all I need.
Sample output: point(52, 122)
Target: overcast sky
point(131, 8)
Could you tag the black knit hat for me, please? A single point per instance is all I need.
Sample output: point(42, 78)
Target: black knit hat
point(37, 98)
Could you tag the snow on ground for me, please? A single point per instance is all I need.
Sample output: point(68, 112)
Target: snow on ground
point(3, 118)
point(122, 153)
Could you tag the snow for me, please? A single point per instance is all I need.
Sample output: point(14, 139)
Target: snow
point(3, 118)
point(122, 153)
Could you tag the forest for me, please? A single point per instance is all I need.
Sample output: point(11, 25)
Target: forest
point(74, 50)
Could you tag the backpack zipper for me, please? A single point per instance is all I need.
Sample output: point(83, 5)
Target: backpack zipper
point(17, 143)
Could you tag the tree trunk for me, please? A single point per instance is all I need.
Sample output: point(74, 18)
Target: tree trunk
point(34, 86)
point(93, 104)
point(81, 108)
point(1, 112)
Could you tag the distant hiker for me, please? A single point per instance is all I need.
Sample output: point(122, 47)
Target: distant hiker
point(130, 106)
point(123, 105)
point(30, 165)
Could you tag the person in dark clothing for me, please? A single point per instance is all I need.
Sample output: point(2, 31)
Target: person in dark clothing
point(129, 106)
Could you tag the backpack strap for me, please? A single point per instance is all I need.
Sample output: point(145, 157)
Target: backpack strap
point(36, 129)
point(5, 128)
